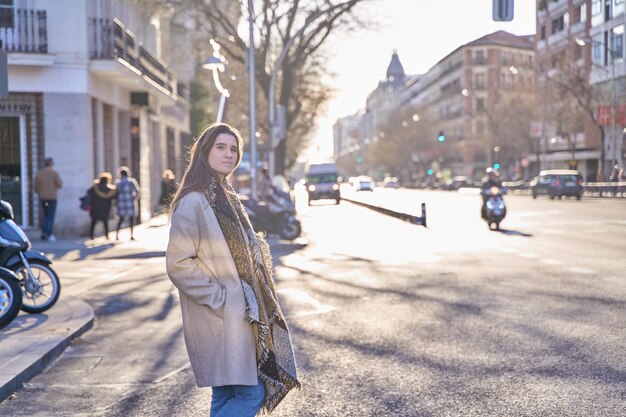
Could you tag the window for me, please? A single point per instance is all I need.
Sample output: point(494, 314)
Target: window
point(480, 128)
point(580, 14)
point(479, 80)
point(558, 24)
point(543, 32)
point(6, 13)
point(597, 50)
point(617, 42)
point(596, 7)
point(480, 104)
point(479, 57)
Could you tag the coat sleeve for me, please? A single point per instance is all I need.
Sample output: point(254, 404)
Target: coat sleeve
point(182, 250)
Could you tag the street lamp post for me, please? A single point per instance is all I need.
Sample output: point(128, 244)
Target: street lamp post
point(583, 42)
point(252, 97)
point(216, 64)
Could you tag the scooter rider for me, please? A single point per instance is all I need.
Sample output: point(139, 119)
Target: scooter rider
point(492, 180)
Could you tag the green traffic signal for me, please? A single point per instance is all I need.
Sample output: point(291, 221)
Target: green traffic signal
point(496, 166)
point(441, 137)
point(359, 159)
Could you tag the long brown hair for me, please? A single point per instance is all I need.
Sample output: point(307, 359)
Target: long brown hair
point(196, 175)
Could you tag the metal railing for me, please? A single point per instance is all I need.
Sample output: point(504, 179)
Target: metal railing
point(24, 30)
point(110, 39)
point(590, 189)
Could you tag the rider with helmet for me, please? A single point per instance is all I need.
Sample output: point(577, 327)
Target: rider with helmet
point(492, 180)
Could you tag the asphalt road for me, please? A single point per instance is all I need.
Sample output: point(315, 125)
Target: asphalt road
point(387, 318)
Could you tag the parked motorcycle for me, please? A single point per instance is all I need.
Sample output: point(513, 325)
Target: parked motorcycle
point(10, 297)
point(276, 216)
point(39, 283)
point(494, 210)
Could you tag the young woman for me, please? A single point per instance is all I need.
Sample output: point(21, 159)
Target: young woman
point(168, 188)
point(102, 194)
point(235, 332)
point(127, 194)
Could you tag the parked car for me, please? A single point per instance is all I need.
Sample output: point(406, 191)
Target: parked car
point(391, 182)
point(457, 182)
point(363, 183)
point(558, 183)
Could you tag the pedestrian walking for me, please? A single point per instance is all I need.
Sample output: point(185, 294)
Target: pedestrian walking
point(236, 335)
point(265, 184)
point(168, 188)
point(102, 194)
point(615, 176)
point(47, 184)
point(127, 194)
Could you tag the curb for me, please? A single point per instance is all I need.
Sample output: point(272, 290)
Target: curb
point(411, 218)
point(36, 357)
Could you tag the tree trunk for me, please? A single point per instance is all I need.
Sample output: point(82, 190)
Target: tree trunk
point(280, 154)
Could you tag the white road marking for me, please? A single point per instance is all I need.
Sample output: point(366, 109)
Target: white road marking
point(303, 298)
point(580, 270)
point(551, 262)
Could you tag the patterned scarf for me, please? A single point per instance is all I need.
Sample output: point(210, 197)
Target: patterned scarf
point(276, 366)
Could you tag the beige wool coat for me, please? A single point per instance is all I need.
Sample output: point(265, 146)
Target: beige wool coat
point(220, 342)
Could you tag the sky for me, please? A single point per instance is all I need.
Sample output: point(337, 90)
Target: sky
point(422, 32)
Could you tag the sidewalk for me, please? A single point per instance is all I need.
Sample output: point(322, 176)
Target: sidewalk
point(33, 341)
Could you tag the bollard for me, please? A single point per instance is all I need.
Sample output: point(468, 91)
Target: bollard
point(423, 218)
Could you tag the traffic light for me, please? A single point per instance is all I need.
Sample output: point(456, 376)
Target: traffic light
point(430, 171)
point(502, 10)
point(441, 137)
point(359, 159)
point(496, 166)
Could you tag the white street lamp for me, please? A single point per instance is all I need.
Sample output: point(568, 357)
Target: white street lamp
point(216, 64)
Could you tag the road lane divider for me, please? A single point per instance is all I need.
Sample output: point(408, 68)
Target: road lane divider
point(411, 218)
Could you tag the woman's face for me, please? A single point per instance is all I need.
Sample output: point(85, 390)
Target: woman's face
point(223, 154)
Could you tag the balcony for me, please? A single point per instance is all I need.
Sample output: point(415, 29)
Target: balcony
point(110, 40)
point(24, 31)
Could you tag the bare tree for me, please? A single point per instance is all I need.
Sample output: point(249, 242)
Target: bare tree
point(302, 28)
point(571, 101)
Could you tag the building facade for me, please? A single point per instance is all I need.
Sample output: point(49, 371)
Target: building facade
point(451, 108)
point(93, 85)
point(587, 35)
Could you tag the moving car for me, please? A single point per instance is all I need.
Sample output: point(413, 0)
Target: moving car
point(457, 182)
point(558, 183)
point(322, 182)
point(391, 182)
point(363, 183)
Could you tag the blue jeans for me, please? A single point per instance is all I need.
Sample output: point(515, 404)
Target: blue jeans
point(49, 208)
point(237, 400)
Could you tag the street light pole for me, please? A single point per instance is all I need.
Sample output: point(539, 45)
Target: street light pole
point(251, 77)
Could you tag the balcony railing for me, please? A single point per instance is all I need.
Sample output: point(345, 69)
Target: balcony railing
point(109, 39)
point(24, 30)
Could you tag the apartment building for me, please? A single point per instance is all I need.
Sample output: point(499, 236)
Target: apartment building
point(459, 94)
point(587, 35)
point(95, 85)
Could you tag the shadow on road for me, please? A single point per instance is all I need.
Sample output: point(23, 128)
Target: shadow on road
point(138, 255)
point(513, 233)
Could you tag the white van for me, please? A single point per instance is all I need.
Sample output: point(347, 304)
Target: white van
point(322, 182)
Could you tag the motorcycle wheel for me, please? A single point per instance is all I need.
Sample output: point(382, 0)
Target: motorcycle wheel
point(41, 292)
point(290, 230)
point(10, 300)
